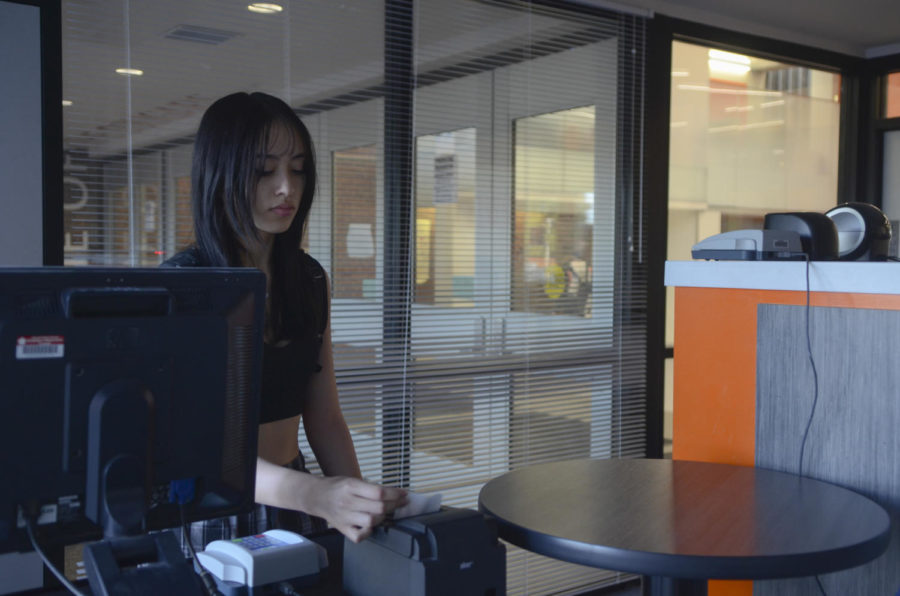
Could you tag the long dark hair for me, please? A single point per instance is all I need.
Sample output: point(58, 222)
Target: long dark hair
point(233, 132)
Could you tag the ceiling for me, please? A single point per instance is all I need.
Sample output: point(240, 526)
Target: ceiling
point(314, 50)
point(318, 49)
point(864, 28)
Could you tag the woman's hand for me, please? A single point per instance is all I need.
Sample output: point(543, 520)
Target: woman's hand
point(354, 506)
point(351, 505)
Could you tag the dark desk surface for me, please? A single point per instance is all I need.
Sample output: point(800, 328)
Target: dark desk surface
point(683, 519)
point(329, 583)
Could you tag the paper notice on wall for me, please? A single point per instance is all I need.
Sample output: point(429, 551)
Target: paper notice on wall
point(360, 242)
point(445, 179)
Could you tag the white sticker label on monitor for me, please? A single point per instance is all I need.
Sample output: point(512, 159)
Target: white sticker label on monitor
point(29, 347)
point(47, 515)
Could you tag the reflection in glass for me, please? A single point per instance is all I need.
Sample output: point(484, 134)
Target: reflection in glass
point(445, 219)
point(354, 223)
point(892, 96)
point(184, 218)
point(554, 212)
point(748, 136)
point(444, 423)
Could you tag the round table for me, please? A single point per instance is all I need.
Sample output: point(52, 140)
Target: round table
point(680, 523)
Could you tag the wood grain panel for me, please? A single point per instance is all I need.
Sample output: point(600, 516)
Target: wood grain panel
point(853, 438)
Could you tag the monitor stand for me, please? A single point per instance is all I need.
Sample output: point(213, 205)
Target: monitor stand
point(147, 565)
point(128, 561)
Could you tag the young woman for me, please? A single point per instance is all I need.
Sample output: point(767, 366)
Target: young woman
point(253, 180)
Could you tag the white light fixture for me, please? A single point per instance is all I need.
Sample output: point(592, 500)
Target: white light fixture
point(729, 57)
point(728, 67)
point(66, 102)
point(264, 8)
point(130, 72)
point(728, 62)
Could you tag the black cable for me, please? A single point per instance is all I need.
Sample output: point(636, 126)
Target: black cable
point(29, 524)
point(812, 411)
point(209, 583)
point(812, 364)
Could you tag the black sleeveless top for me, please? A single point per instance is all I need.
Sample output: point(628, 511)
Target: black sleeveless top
point(287, 368)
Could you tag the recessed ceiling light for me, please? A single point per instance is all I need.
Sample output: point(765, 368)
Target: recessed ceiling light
point(67, 102)
point(130, 72)
point(264, 7)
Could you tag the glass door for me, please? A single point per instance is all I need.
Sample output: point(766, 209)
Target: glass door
point(560, 136)
point(461, 415)
point(514, 233)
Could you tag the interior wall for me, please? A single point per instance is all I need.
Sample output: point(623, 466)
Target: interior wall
point(21, 173)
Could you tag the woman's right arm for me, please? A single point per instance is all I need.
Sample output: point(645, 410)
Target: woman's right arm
point(352, 506)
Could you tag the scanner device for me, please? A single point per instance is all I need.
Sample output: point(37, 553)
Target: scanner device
point(751, 245)
point(256, 565)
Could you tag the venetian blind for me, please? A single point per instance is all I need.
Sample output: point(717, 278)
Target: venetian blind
point(478, 211)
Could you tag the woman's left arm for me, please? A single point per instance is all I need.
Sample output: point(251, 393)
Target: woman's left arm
point(323, 420)
point(329, 437)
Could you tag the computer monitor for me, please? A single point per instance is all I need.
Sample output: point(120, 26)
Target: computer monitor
point(122, 392)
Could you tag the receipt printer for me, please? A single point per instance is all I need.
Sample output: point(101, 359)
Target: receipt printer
point(448, 552)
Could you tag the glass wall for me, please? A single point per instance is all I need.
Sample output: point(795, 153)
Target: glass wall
point(890, 183)
point(508, 348)
point(749, 136)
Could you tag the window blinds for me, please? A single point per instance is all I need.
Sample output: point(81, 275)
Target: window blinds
point(478, 211)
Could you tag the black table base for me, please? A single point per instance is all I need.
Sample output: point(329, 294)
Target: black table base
point(654, 585)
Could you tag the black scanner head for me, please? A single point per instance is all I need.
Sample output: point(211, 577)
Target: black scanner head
point(818, 234)
point(864, 232)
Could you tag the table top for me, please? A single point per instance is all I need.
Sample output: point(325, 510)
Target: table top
point(685, 519)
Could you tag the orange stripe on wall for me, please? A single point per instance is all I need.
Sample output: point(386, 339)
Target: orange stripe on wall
point(714, 397)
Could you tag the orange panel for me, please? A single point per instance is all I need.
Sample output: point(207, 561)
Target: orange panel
point(719, 587)
point(714, 416)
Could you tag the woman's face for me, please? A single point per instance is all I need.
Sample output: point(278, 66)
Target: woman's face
point(281, 182)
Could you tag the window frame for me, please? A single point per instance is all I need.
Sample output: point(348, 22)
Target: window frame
point(52, 129)
point(662, 32)
point(869, 148)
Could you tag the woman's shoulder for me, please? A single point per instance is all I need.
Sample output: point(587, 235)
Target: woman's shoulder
point(315, 273)
point(189, 257)
point(311, 266)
